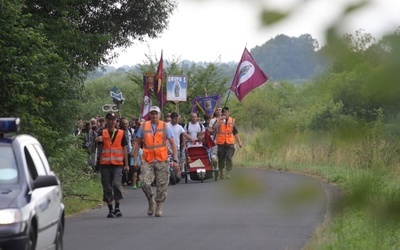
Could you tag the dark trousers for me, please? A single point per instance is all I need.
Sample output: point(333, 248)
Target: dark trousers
point(111, 181)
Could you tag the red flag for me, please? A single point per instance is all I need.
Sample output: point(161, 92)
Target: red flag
point(158, 90)
point(146, 102)
point(248, 76)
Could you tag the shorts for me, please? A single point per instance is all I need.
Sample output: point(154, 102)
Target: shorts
point(136, 170)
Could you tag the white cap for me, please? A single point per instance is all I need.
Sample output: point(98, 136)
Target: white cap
point(155, 108)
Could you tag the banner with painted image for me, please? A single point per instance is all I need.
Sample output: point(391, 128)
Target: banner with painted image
point(207, 104)
point(176, 88)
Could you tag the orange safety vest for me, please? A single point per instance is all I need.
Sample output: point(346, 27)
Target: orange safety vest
point(113, 152)
point(155, 145)
point(225, 132)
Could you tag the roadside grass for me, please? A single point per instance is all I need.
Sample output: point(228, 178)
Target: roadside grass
point(367, 212)
point(81, 185)
point(86, 197)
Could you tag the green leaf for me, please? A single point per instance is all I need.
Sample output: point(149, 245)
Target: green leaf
point(271, 17)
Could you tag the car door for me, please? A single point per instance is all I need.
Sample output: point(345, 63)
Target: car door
point(44, 200)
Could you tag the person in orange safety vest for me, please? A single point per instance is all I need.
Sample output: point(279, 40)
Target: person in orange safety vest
point(226, 134)
point(113, 159)
point(154, 135)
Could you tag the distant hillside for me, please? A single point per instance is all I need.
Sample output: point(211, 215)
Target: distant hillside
point(291, 59)
point(283, 58)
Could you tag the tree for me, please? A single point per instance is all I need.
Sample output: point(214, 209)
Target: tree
point(90, 30)
point(287, 58)
point(48, 47)
point(204, 79)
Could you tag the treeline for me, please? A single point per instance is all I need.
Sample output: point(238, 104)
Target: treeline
point(283, 58)
point(347, 116)
point(48, 48)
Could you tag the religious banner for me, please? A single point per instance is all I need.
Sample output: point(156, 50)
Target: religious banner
point(176, 88)
point(207, 104)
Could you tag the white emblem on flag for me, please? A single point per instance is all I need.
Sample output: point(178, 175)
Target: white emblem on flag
point(246, 71)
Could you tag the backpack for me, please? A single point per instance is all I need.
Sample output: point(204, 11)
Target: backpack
point(201, 127)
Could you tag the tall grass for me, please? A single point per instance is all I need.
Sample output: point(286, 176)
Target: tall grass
point(366, 169)
point(81, 185)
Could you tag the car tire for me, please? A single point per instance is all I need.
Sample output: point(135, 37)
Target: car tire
point(32, 239)
point(59, 237)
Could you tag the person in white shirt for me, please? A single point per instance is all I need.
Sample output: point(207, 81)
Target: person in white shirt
point(214, 150)
point(177, 131)
point(194, 126)
point(217, 115)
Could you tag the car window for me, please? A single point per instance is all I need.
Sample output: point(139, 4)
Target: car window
point(31, 165)
point(38, 164)
point(8, 165)
point(43, 157)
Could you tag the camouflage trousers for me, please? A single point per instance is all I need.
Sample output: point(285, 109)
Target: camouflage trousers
point(225, 154)
point(159, 171)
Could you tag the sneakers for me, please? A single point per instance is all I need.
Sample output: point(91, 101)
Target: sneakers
point(138, 184)
point(111, 214)
point(134, 187)
point(117, 212)
point(159, 209)
point(114, 213)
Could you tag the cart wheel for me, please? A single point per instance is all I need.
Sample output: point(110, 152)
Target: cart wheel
point(202, 177)
point(186, 175)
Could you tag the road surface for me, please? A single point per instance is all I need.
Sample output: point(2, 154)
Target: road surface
point(256, 209)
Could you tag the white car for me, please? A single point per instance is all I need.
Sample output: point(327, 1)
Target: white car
point(31, 206)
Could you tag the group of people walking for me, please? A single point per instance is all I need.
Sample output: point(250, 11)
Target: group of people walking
point(142, 152)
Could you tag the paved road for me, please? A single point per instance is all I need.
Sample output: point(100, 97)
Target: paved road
point(257, 209)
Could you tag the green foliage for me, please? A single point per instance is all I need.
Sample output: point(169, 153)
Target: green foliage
point(92, 29)
point(342, 127)
point(271, 17)
point(34, 82)
point(48, 48)
point(97, 94)
point(70, 163)
point(202, 80)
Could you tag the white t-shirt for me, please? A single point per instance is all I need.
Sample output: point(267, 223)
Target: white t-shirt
point(212, 121)
point(177, 130)
point(193, 129)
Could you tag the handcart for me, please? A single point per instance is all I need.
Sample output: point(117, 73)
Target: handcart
point(198, 165)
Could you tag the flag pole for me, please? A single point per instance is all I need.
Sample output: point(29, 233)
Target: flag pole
point(227, 97)
point(230, 89)
point(160, 87)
